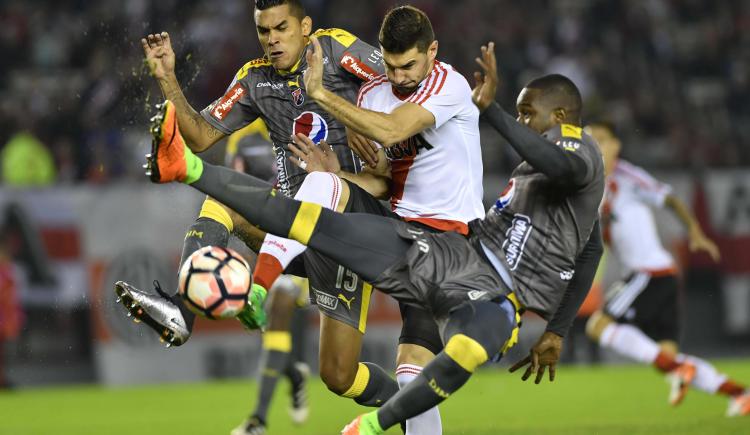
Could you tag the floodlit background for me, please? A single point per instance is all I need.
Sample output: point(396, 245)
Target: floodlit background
point(76, 213)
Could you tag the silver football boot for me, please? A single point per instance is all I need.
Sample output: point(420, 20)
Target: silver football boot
point(157, 311)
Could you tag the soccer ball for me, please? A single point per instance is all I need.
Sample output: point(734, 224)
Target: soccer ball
point(215, 282)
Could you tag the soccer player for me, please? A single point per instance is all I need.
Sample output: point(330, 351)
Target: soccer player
point(539, 228)
point(640, 318)
point(421, 112)
point(269, 88)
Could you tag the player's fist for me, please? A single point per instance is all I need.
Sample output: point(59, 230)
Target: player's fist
point(159, 55)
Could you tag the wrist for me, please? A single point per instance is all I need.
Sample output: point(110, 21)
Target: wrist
point(168, 82)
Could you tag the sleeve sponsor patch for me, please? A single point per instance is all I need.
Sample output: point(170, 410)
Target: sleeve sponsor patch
point(223, 106)
point(567, 130)
point(350, 63)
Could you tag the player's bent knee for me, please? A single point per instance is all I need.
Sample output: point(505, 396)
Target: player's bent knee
point(669, 346)
point(466, 352)
point(337, 377)
point(596, 324)
point(409, 353)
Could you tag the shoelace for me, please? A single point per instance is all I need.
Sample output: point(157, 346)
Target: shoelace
point(161, 292)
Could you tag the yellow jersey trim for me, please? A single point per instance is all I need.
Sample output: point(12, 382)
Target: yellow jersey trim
point(568, 130)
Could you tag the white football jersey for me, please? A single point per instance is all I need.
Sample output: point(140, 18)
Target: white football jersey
point(437, 174)
point(631, 229)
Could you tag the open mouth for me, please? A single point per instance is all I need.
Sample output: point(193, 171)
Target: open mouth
point(276, 54)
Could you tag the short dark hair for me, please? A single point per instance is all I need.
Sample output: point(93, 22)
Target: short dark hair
point(560, 91)
point(295, 7)
point(405, 27)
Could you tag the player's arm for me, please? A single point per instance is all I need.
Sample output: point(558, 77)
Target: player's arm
point(374, 180)
point(546, 352)
point(564, 166)
point(696, 238)
point(160, 58)
point(386, 128)
point(578, 288)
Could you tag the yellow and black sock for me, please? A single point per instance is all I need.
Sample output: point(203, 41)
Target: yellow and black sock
point(276, 347)
point(444, 375)
point(372, 386)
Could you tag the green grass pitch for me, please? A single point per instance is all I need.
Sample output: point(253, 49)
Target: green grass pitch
point(599, 400)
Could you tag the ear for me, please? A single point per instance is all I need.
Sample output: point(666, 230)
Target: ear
point(559, 115)
point(306, 24)
point(432, 50)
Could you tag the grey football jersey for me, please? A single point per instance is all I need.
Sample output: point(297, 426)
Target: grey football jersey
point(540, 227)
point(279, 98)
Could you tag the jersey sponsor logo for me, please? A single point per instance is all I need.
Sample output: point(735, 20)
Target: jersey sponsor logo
point(359, 69)
point(569, 145)
point(348, 302)
point(281, 173)
point(408, 148)
point(298, 97)
point(220, 110)
point(311, 125)
point(567, 275)
point(475, 295)
point(269, 85)
point(515, 240)
point(325, 300)
point(507, 196)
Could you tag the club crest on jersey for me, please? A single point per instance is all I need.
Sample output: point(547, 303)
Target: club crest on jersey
point(311, 125)
point(515, 240)
point(298, 97)
point(507, 196)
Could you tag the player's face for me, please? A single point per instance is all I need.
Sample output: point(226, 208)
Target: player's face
point(532, 113)
point(608, 143)
point(406, 70)
point(282, 35)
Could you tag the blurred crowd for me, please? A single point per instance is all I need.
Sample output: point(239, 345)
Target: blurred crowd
point(673, 75)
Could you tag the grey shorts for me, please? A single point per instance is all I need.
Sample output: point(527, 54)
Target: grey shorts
point(338, 292)
point(439, 272)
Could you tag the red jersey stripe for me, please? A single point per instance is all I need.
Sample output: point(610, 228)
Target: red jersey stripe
point(367, 87)
point(442, 224)
point(443, 76)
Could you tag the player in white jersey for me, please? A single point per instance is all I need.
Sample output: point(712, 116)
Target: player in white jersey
point(640, 318)
point(437, 173)
point(422, 116)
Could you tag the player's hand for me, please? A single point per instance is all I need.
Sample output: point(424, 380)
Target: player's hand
point(313, 76)
point(159, 55)
point(699, 242)
point(363, 147)
point(484, 92)
point(545, 353)
point(313, 158)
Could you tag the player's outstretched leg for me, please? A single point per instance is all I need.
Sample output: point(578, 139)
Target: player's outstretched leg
point(475, 332)
point(165, 313)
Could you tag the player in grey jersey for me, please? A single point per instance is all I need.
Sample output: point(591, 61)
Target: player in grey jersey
point(474, 286)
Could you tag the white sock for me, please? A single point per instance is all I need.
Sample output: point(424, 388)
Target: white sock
point(629, 341)
point(707, 378)
point(426, 423)
point(321, 188)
